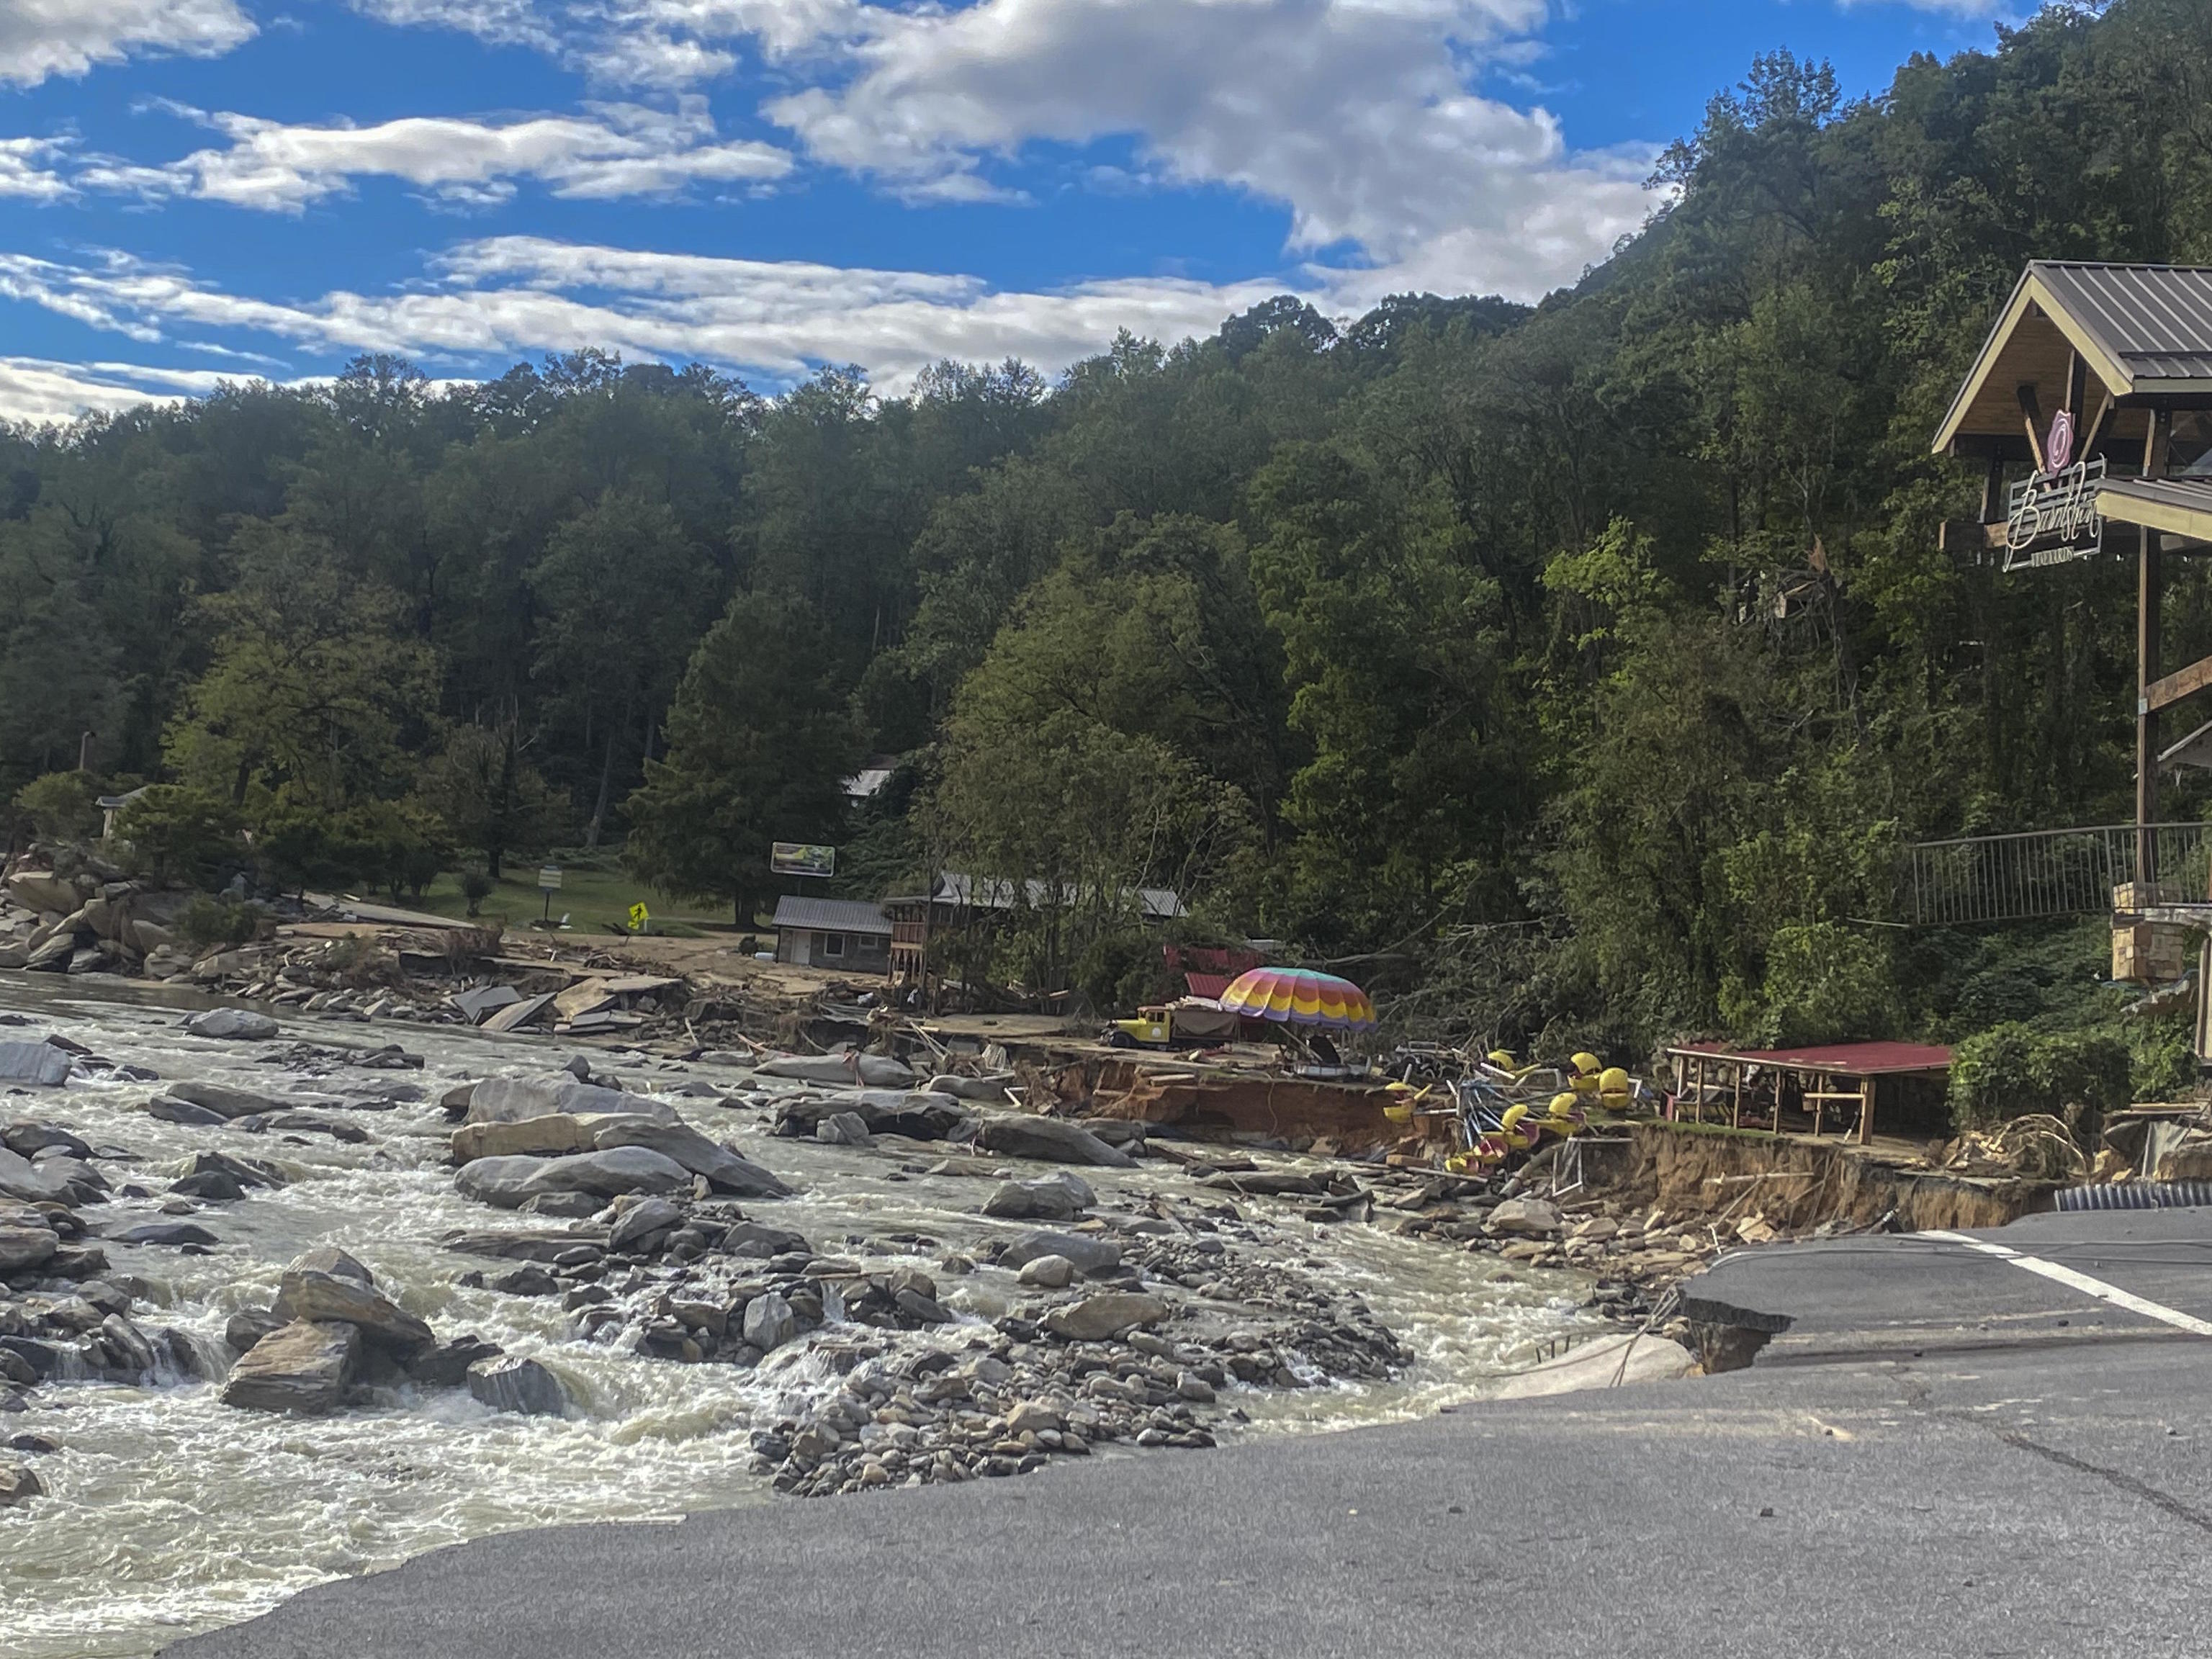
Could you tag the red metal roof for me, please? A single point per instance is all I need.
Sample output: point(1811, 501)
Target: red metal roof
point(1845, 1059)
point(1209, 986)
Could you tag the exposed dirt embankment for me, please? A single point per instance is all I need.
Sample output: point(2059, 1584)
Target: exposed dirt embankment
point(1795, 1185)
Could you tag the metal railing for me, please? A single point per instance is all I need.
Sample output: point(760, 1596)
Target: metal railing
point(2045, 872)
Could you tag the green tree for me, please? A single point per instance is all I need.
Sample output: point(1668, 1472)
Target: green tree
point(489, 796)
point(760, 741)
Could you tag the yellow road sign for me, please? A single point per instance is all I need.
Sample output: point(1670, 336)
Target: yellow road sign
point(638, 917)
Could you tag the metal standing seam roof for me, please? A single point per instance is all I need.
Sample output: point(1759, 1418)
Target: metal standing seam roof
point(832, 915)
point(1845, 1059)
point(2183, 506)
point(2156, 320)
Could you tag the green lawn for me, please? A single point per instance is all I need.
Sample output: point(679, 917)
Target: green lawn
point(589, 897)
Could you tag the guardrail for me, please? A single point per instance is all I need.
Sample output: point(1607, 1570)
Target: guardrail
point(2043, 872)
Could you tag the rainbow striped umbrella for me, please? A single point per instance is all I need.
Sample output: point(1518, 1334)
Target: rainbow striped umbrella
point(1298, 996)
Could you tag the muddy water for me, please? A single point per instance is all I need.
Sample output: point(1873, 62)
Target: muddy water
point(170, 1512)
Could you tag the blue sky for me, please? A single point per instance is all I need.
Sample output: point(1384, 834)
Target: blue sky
point(195, 188)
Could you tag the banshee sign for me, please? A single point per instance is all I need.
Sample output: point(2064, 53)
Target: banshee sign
point(792, 858)
point(2053, 517)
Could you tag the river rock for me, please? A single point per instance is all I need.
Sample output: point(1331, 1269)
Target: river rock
point(329, 1259)
point(327, 1299)
point(641, 1220)
point(302, 1367)
point(508, 1182)
point(24, 1247)
point(723, 1166)
point(33, 1184)
point(210, 1187)
point(1095, 1318)
point(547, 1246)
point(844, 1129)
point(553, 1135)
point(19, 1485)
point(1089, 1255)
point(1531, 1217)
point(248, 1325)
point(39, 1064)
point(447, 1365)
point(236, 1024)
point(756, 1239)
point(225, 1102)
point(1032, 1417)
point(1060, 1197)
point(166, 1108)
point(1049, 1140)
point(507, 1384)
point(1049, 1272)
point(172, 1233)
point(246, 1171)
point(876, 1071)
point(517, 1099)
point(28, 1139)
point(769, 1322)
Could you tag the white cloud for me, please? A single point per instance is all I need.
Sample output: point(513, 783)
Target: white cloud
point(25, 172)
point(1359, 116)
point(489, 301)
point(40, 37)
point(613, 150)
point(35, 390)
point(1354, 114)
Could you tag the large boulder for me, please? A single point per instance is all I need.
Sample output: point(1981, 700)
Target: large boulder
point(724, 1168)
point(508, 1182)
point(173, 1233)
point(327, 1299)
point(770, 1322)
point(1095, 1318)
point(301, 1368)
point(447, 1365)
point(167, 1109)
point(1089, 1255)
point(641, 1220)
point(1049, 1140)
point(516, 1099)
point(507, 1384)
point(40, 1064)
point(876, 1071)
point(553, 1135)
point(19, 1485)
point(224, 1101)
point(1531, 1218)
point(1060, 1197)
point(916, 1113)
point(46, 1181)
point(236, 1024)
point(49, 894)
point(24, 1247)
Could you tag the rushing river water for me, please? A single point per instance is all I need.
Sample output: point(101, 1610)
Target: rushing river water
point(169, 1511)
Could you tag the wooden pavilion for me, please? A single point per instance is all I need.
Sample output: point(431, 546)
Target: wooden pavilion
point(1758, 1085)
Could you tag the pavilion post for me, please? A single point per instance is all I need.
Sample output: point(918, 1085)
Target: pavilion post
point(2149, 584)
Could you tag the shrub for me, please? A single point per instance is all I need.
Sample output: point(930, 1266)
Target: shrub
point(476, 887)
point(62, 805)
point(2010, 1070)
point(211, 921)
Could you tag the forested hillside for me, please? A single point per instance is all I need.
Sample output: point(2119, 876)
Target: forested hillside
point(1442, 642)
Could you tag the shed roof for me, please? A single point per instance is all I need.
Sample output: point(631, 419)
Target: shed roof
point(2139, 330)
point(832, 915)
point(1844, 1059)
point(2181, 506)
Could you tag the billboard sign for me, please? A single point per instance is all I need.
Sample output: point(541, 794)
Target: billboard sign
point(794, 858)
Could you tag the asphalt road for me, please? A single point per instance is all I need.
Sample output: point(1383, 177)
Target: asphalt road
point(1943, 1454)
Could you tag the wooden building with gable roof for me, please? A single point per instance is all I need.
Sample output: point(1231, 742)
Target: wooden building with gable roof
point(2090, 412)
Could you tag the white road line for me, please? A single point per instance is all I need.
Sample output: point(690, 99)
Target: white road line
point(2082, 1282)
